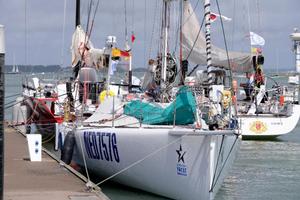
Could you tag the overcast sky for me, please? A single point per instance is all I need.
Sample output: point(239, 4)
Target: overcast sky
point(272, 19)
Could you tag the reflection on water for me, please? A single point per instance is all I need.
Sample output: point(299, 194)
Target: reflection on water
point(265, 170)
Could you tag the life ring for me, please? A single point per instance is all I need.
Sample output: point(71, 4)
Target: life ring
point(105, 93)
point(226, 98)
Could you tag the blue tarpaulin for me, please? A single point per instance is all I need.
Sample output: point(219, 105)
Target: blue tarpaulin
point(184, 106)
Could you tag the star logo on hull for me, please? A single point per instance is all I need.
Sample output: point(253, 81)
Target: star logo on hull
point(181, 154)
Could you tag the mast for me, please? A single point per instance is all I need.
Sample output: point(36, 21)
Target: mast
point(180, 46)
point(2, 56)
point(165, 27)
point(77, 17)
point(127, 48)
point(130, 74)
point(207, 37)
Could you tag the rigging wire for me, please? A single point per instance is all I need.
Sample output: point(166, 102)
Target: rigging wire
point(227, 54)
point(26, 26)
point(84, 160)
point(144, 158)
point(259, 18)
point(159, 39)
point(248, 13)
point(133, 15)
point(88, 22)
point(152, 33)
point(93, 20)
point(222, 167)
point(194, 9)
point(176, 31)
point(125, 19)
point(63, 35)
point(145, 32)
point(196, 39)
point(233, 24)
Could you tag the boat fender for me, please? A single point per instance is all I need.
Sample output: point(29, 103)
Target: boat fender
point(68, 148)
point(104, 93)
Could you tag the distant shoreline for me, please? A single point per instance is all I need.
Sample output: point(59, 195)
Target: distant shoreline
point(57, 68)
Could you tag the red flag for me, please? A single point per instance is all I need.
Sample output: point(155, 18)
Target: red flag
point(213, 17)
point(132, 37)
point(125, 54)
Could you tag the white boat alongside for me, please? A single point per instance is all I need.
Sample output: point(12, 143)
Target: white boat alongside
point(273, 111)
point(268, 125)
point(276, 115)
point(279, 112)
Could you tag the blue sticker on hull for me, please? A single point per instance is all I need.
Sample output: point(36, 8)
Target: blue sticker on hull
point(181, 167)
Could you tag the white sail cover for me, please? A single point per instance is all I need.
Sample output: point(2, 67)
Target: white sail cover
point(83, 49)
point(240, 62)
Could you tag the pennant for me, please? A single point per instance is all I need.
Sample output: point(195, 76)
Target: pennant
point(214, 17)
point(256, 39)
point(125, 54)
point(132, 37)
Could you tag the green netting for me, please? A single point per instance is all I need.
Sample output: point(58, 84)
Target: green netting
point(153, 114)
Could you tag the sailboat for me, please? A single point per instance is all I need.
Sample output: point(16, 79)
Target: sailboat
point(168, 146)
point(15, 69)
point(273, 111)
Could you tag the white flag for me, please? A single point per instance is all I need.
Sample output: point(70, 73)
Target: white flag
point(256, 39)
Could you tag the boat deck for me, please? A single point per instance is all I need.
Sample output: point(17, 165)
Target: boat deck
point(39, 180)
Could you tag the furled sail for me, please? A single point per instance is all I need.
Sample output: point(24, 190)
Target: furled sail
point(83, 49)
point(194, 49)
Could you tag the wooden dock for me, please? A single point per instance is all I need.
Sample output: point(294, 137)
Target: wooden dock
point(45, 180)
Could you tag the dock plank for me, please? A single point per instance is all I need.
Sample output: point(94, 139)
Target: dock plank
point(38, 180)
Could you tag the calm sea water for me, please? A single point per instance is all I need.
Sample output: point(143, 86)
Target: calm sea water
point(263, 169)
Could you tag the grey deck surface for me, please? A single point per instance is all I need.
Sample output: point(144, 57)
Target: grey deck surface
point(38, 180)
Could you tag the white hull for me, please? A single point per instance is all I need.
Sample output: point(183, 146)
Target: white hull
point(269, 125)
point(160, 170)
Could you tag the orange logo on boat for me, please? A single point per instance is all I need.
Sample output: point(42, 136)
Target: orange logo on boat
point(258, 127)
